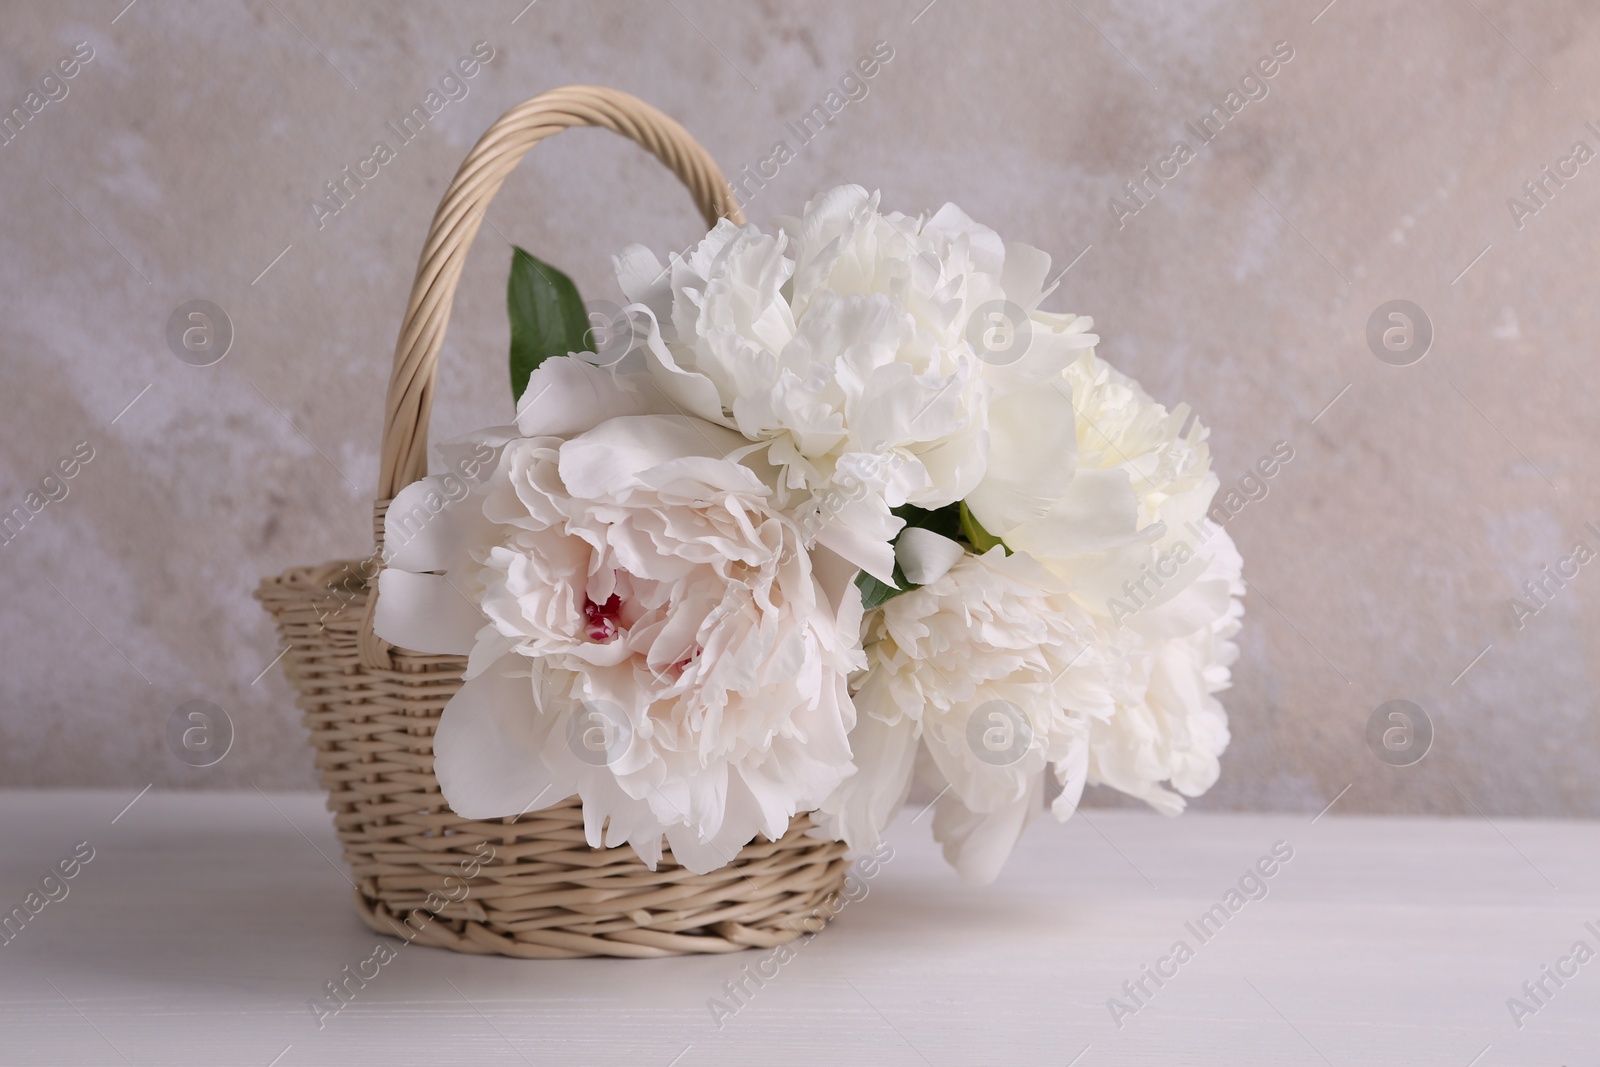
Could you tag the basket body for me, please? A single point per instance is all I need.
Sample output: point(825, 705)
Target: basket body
point(526, 886)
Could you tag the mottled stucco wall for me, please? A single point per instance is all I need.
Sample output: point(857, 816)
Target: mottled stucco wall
point(1375, 164)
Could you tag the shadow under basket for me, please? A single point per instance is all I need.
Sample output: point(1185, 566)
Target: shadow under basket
point(529, 885)
point(526, 886)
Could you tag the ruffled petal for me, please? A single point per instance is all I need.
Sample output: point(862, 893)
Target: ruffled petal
point(566, 396)
point(1098, 511)
point(871, 554)
point(1071, 774)
point(866, 802)
point(643, 279)
point(1033, 456)
point(695, 852)
point(1024, 273)
point(978, 845)
point(425, 613)
point(613, 457)
point(686, 391)
point(431, 525)
point(487, 751)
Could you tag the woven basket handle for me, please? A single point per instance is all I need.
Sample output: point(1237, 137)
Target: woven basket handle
point(455, 224)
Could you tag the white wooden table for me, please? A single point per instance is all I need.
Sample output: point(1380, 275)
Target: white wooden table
point(205, 922)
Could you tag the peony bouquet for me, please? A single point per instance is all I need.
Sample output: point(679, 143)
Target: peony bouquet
point(837, 511)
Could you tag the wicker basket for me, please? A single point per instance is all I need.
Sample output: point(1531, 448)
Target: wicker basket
point(528, 885)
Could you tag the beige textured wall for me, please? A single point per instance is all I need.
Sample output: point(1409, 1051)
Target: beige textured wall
point(186, 153)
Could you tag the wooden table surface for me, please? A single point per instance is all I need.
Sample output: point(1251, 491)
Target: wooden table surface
point(204, 923)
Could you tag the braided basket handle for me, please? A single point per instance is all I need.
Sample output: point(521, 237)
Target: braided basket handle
point(455, 224)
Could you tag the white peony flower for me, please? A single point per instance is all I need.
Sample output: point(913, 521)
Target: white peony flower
point(988, 670)
point(1101, 641)
point(1138, 480)
point(855, 347)
point(1131, 540)
point(644, 628)
point(1168, 725)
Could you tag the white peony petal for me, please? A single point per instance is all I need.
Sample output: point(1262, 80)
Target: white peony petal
point(486, 752)
point(1024, 273)
point(688, 391)
point(866, 802)
point(897, 406)
point(948, 736)
point(611, 458)
point(627, 822)
point(869, 553)
point(1072, 773)
point(1033, 456)
point(925, 556)
point(955, 465)
point(950, 224)
point(818, 747)
point(817, 236)
point(490, 645)
point(1057, 342)
point(425, 613)
point(567, 396)
point(695, 852)
point(762, 800)
point(978, 845)
point(643, 278)
point(836, 577)
point(1097, 512)
point(431, 524)
point(1195, 607)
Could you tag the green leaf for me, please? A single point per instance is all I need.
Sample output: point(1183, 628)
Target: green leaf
point(980, 539)
point(875, 593)
point(547, 317)
point(945, 521)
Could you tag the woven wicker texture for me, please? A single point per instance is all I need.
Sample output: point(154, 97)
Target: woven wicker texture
point(528, 885)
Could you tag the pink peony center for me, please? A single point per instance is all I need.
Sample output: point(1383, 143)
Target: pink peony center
point(604, 620)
